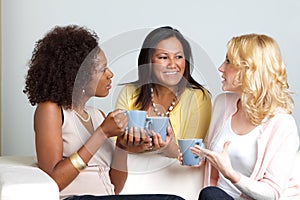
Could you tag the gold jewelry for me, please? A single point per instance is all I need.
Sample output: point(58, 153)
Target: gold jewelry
point(155, 109)
point(77, 162)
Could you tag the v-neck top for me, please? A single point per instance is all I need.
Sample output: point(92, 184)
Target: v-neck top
point(95, 179)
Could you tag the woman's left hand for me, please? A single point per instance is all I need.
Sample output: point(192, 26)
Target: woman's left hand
point(158, 143)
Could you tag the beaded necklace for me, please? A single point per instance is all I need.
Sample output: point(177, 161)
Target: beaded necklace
point(84, 120)
point(155, 109)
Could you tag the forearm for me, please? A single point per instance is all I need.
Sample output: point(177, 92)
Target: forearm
point(63, 173)
point(256, 189)
point(94, 143)
point(118, 172)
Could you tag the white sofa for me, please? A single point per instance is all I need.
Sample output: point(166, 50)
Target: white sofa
point(21, 179)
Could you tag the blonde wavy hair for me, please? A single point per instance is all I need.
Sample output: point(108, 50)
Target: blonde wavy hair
point(262, 75)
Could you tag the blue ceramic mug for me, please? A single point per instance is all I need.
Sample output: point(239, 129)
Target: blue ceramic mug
point(188, 157)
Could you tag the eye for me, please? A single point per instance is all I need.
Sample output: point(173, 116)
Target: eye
point(101, 69)
point(227, 61)
point(162, 57)
point(179, 57)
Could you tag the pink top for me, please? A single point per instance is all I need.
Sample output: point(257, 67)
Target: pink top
point(277, 146)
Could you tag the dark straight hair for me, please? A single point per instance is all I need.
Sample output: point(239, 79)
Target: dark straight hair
point(145, 81)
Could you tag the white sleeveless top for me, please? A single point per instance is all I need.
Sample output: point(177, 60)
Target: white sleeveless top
point(95, 178)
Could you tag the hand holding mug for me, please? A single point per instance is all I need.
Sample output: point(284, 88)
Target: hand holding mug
point(160, 142)
point(188, 157)
point(114, 124)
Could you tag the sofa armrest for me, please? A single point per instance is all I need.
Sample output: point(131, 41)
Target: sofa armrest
point(21, 179)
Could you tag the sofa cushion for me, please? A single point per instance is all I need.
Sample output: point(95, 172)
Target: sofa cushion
point(21, 179)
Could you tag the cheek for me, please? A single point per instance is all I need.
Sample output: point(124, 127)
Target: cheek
point(97, 82)
point(181, 64)
point(157, 69)
point(182, 68)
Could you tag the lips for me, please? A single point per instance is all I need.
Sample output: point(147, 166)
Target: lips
point(108, 86)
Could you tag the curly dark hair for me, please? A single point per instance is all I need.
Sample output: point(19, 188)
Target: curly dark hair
point(56, 60)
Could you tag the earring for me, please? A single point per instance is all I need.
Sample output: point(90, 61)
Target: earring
point(83, 92)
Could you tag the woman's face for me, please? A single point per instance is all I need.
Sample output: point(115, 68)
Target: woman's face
point(228, 74)
point(168, 62)
point(101, 81)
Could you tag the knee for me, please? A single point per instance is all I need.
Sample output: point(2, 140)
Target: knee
point(205, 193)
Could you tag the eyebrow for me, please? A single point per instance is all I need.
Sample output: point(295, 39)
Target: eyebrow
point(164, 52)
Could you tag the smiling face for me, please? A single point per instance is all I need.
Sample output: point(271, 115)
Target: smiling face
point(229, 73)
point(101, 82)
point(168, 62)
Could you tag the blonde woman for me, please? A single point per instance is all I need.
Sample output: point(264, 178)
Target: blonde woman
point(252, 140)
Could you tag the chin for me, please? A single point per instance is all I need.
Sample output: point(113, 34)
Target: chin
point(102, 95)
point(172, 82)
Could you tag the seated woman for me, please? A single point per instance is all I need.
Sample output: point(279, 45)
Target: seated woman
point(165, 87)
point(253, 140)
point(74, 142)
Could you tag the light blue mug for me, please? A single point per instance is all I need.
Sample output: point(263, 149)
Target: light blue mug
point(189, 158)
point(158, 125)
point(136, 118)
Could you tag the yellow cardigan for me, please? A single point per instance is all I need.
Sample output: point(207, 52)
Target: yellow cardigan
point(191, 116)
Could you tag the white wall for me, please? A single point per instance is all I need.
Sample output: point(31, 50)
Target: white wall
point(209, 24)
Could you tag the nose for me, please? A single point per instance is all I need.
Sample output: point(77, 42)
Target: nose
point(110, 74)
point(171, 63)
point(221, 68)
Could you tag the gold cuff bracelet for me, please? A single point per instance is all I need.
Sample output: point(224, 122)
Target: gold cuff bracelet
point(77, 162)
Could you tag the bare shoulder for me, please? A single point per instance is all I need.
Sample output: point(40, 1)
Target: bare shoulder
point(46, 114)
point(48, 107)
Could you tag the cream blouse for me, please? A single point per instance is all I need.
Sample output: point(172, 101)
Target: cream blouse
point(95, 179)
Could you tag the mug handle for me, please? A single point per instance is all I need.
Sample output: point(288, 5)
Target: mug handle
point(147, 127)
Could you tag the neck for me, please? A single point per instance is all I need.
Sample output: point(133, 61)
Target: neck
point(160, 90)
point(79, 108)
point(82, 113)
point(240, 111)
point(166, 95)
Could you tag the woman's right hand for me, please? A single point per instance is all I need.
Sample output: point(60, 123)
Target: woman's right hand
point(114, 124)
